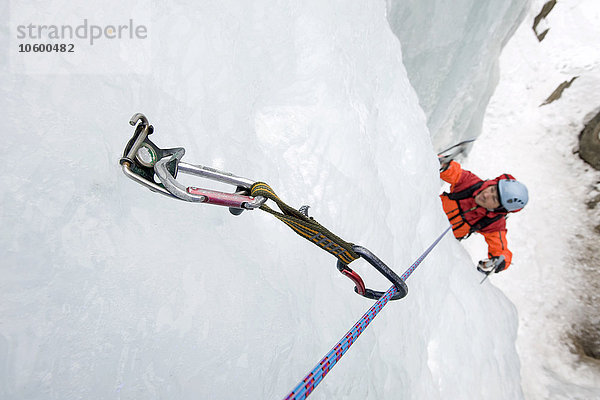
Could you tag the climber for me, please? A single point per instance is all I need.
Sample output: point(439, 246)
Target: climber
point(475, 205)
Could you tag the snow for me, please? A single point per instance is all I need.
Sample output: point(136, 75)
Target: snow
point(553, 274)
point(112, 291)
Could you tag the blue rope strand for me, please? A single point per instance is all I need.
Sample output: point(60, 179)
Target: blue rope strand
point(310, 381)
point(412, 268)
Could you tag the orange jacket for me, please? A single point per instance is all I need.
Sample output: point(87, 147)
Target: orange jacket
point(465, 214)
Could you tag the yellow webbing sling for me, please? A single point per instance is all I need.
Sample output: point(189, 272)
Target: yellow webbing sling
point(305, 226)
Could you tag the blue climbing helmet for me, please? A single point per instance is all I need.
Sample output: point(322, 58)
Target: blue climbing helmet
point(513, 194)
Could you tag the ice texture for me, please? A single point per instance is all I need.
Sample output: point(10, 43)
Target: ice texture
point(111, 291)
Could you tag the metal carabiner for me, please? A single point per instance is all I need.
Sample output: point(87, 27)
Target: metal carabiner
point(360, 288)
point(235, 200)
point(142, 160)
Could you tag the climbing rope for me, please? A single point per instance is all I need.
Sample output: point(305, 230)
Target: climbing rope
point(314, 377)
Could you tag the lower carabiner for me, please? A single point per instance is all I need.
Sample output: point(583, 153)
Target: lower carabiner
point(402, 289)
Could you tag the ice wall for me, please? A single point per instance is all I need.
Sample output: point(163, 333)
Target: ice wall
point(450, 50)
point(111, 291)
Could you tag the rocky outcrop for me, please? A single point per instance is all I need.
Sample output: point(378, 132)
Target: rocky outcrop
point(558, 91)
point(589, 142)
point(540, 17)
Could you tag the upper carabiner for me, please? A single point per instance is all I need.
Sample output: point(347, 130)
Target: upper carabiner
point(142, 160)
point(238, 200)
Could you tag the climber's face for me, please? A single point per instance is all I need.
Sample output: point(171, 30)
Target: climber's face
point(488, 198)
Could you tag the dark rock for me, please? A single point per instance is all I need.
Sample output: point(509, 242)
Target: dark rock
point(538, 18)
point(558, 91)
point(589, 142)
point(592, 203)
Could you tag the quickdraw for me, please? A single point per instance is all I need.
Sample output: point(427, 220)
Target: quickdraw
point(157, 169)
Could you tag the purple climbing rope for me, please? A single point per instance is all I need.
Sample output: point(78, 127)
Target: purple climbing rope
point(308, 384)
